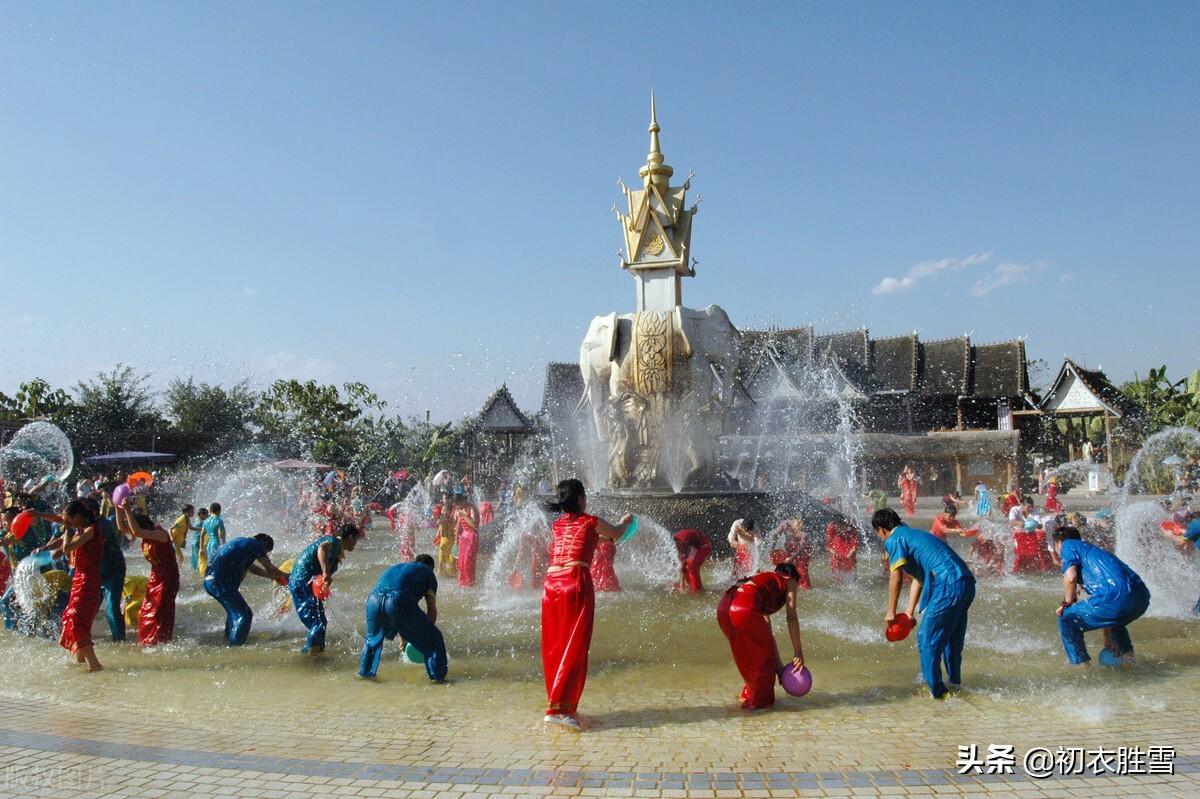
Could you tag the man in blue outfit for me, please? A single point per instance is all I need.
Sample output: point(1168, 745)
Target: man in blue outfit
point(945, 587)
point(320, 558)
point(1117, 596)
point(392, 610)
point(1192, 533)
point(112, 574)
point(224, 576)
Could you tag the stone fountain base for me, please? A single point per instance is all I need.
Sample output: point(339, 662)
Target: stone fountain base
point(712, 511)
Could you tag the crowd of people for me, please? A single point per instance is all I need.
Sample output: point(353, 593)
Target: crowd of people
point(83, 541)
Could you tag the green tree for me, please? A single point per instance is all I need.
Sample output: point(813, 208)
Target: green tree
point(33, 400)
point(113, 402)
point(1164, 402)
point(308, 419)
point(203, 409)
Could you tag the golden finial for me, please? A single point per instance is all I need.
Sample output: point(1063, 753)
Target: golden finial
point(655, 155)
point(655, 170)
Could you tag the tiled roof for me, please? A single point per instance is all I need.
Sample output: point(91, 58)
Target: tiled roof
point(500, 414)
point(946, 366)
point(999, 370)
point(895, 362)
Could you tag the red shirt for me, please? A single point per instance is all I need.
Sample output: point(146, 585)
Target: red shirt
point(840, 540)
point(87, 557)
point(770, 591)
point(574, 538)
point(942, 526)
point(691, 538)
point(159, 554)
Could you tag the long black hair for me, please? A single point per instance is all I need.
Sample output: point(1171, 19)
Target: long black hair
point(81, 509)
point(570, 497)
point(789, 569)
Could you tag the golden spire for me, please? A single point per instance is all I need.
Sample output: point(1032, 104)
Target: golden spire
point(655, 171)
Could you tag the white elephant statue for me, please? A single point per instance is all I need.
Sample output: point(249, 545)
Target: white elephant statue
point(648, 372)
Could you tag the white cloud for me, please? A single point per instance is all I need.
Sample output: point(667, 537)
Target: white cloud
point(927, 269)
point(1066, 276)
point(249, 291)
point(1005, 274)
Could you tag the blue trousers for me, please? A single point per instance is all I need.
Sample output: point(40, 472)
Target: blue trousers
point(238, 615)
point(193, 544)
point(943, 632)
point(112, 586)
point(1097, 613)
point(312, 614)
point(390, 613)
point(10, 616)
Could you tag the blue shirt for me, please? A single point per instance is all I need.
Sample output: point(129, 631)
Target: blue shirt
point(112, 562)
point(234, 559)
point(308, 565)
point(1101, 573)
point(1193, 532)
point(414, 579)
point(214, 527)
point(927, 558)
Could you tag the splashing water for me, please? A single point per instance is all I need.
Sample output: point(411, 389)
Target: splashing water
point(650, 556)
point(34, 596)
point(511, 555)
point(38, 451)
point(1169, 574)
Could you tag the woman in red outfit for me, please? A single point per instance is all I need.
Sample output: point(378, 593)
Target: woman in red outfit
point(1053, 504)
point(568, 600)
point(156, 620)
point(694, 548)
point(841, 542)
point(83, 543)
point(466, 537)
point(742, 614)
point(907, 483)
point(797, 549)
point(743, 537)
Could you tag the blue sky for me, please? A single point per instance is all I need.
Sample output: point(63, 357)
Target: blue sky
point(418, 197)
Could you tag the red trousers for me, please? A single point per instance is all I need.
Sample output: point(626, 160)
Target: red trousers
point(468, 548)
point(604, 576)
point(568, 612)
point(692, 561)
point(801, 564)
point(1026, 557)
point(909, 501)
point(752, 644)
point(408, 546)
point(156, 621)
point(743, 561)
point(81, 609)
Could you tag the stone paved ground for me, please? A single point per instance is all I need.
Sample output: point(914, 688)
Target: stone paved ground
point(271, 727)
point(905, 747)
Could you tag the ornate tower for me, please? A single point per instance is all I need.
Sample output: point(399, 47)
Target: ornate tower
point(657, 230)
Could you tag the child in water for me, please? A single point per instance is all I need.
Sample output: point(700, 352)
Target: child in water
point(444, 539)
point(983, 501)
point(841, 542)
point(197, 539)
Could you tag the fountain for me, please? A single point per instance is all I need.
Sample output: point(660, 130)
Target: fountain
point(662, 387)
point(1140, 542)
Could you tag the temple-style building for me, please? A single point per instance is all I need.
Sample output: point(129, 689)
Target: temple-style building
point(951, 408)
